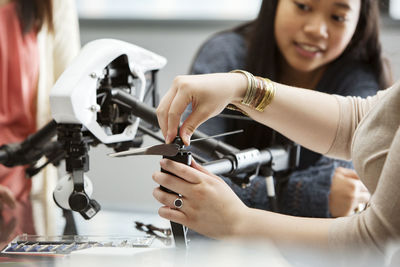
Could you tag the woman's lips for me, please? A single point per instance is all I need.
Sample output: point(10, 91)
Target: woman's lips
point(306, 50)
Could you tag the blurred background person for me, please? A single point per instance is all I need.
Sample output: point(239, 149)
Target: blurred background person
point(38, 39)
point(318, 45)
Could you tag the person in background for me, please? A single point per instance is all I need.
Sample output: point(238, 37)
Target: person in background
point(320, 45)
point(38, 39)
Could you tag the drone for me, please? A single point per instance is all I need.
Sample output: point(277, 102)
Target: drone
point(108, 96)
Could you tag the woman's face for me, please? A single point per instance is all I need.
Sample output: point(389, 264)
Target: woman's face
point(312, 33)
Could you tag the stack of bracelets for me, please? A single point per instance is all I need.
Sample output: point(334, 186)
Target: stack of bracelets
point(259, 94)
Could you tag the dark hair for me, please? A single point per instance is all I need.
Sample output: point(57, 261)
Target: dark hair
point(33, 14)
point(364, 46)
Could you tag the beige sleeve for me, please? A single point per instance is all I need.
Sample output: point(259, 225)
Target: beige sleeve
point(66, 35)
point(352, 110)
point(56, 50)
point(380, 222)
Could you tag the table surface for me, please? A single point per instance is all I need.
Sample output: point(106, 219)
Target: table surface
point(106, 225)
point(162, 252)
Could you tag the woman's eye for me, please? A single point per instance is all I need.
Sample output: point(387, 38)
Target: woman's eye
point(303, 7)
point(339, 18)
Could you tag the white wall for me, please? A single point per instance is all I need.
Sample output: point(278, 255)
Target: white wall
point(126, 183)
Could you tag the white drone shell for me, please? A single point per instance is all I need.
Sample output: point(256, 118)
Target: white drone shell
point(73, 97)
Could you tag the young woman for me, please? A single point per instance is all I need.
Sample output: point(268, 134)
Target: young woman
point(328, 46)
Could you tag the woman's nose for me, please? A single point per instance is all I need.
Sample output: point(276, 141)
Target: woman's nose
point(316, 26)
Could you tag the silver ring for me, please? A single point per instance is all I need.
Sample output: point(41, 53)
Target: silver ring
point(178, 203)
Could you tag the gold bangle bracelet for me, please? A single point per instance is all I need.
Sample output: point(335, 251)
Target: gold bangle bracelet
point(250, 85)
point(259, 93)
point(268, 96)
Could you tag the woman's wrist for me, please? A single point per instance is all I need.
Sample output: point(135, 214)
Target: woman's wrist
point(241, 87)
point(241, 223)
point(258, 94)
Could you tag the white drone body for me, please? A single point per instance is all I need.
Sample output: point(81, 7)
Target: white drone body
point(73, 97)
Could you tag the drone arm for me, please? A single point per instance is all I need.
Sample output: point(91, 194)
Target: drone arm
point(148, 114)
point(234, 160)
point(30, 150)
point(238, 162)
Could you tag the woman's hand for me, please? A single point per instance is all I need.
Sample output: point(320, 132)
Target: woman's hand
point(209, 207)
point(209, 94)
point(347, 192)
point(6, 198)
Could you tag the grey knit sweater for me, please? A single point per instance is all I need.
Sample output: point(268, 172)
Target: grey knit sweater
point(304, 191)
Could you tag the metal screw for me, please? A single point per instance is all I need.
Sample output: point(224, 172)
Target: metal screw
point(94, 108)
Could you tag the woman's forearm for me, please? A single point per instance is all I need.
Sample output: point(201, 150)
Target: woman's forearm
point(307, 117)
point(281, 228)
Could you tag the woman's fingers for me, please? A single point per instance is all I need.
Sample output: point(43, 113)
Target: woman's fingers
point(353, 178)
point(171, 182)
point(364, 197)
point(184, 171)
point(180, 102)
point(191, 123)
point(209, 94)
point(348, 173)
point(163, 108)
point(165, 198)
point(171, 108)
point(173, 215)
point(347, 192)
point(200, 168)
point(169, 210)
point(209, 206)
point(182, 176)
